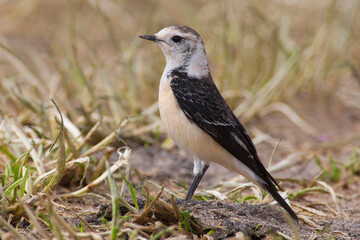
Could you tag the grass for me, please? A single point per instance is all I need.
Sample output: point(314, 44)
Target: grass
point(87, 57)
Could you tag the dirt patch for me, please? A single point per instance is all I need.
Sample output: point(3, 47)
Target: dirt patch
point(228, 219)
point(162, 165)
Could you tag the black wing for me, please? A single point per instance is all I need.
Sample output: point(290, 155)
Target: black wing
point(203, 104)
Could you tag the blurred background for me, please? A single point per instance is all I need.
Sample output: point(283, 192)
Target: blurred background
point(289, 69)
point(86, 54)
point(291, 65)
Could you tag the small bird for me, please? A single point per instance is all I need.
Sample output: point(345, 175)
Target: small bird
point(196, 116)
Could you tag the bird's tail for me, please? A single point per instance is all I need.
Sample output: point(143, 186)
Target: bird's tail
point(270, 188)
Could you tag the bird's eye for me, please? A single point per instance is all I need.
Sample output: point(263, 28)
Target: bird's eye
point(176, 38)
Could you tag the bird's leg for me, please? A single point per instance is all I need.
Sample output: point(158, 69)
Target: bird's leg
point(200, 168)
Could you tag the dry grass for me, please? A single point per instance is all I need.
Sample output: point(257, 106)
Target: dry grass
point(86, 56)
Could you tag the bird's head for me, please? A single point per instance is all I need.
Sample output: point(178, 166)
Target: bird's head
point(182, 47)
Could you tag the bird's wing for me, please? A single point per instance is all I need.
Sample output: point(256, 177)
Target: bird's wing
point(203, 104)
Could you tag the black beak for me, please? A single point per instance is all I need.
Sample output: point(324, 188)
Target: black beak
point(149, 37)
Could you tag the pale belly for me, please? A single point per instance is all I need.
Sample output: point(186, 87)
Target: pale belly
point(186, 134)
point(189, 137)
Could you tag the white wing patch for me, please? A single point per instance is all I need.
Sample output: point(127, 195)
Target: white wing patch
point(241, 143)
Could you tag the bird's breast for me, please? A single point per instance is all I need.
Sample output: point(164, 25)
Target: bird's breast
point(185, 133)
point(174, 120)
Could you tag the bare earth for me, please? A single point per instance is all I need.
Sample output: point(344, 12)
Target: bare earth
point(164, 166)
point(323, 219)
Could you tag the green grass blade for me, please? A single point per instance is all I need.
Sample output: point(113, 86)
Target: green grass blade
point(12, 187)
point(186, 221)
point(249, 198)
point(25, 178)
point(132, 189)
point(7, 153)
point(115, 204)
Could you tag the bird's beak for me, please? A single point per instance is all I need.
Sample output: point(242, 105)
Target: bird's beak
point(150, 38)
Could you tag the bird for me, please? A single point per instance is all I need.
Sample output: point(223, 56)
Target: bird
point(198, 119)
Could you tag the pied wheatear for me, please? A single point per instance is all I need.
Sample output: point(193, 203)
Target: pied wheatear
point(197, 117)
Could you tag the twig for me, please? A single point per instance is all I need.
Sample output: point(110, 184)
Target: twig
point(331, 191)
point(105, 142)
point(75, 152)
point(147, 210)
point(8, 226)
point(291, 114)
point(273, 152)
point(103, 176)
point(34, 221)
point(60, 167)
point(165, 189)
point(176, 209)
point(73, 212)
point(308, 221)
point(69, 164)
point(34, 154)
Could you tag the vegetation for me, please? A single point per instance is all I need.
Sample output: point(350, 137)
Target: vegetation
point(78, 86)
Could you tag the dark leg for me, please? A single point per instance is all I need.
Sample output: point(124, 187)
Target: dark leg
point(197, 179)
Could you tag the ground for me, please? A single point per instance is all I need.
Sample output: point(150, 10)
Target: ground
point(289, 70)
point(320, 218)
